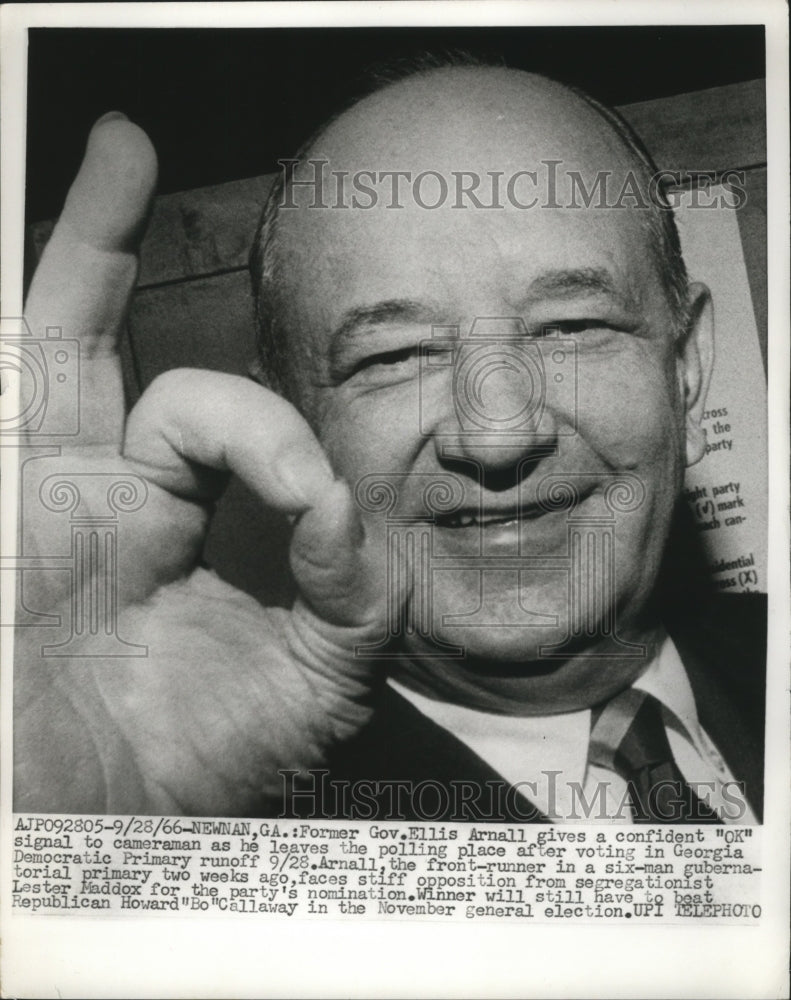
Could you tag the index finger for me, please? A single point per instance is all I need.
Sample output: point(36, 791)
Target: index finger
point(89, 266)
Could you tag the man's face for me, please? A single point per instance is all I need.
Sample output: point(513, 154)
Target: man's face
point(576, 378)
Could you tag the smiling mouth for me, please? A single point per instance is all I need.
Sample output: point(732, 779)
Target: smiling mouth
point(491, 519)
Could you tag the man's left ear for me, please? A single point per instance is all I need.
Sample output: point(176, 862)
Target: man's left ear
point(695, 360)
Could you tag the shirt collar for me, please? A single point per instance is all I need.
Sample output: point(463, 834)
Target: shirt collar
point(538, 754)
point(666, 679)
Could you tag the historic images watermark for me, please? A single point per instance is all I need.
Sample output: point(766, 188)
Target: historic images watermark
point(553, 186)
point(315, 795)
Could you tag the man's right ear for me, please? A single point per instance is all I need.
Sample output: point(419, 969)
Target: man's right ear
point(695, 361)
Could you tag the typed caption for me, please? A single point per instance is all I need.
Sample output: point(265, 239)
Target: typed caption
point(453, 872)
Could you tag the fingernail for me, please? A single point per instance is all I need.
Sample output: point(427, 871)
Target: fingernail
point(111, 116)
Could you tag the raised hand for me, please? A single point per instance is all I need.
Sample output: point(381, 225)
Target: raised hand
point(228, 692)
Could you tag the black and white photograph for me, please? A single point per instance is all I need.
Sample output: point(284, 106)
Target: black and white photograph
point(395, 438)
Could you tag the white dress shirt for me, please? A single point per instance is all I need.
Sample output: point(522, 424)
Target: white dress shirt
point(546, 757)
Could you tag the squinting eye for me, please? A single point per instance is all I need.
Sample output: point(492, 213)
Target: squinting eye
point(568, 327)
point(386, 359)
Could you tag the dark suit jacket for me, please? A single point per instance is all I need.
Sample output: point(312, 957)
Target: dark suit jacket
point(722, 643)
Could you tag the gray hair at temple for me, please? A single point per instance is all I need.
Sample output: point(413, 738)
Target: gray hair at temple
point(272, 339)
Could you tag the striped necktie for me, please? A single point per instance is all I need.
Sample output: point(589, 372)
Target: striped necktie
point(628, 737)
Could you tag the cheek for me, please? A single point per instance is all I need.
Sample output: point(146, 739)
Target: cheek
point(377, 432)
point(628, 411)
point(628, 416)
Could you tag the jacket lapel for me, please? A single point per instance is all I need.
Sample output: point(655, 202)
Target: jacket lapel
point(724, 655)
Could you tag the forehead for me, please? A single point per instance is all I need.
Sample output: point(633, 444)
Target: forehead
point(510, 139)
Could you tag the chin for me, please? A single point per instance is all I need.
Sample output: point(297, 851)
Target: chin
point(527, 625)
point(496, 620)
point(500, 645)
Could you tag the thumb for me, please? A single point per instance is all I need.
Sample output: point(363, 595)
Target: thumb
point(341, 611)
point(332, 563)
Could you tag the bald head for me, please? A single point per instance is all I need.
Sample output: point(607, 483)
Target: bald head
point(460, 117)
point(469, 138)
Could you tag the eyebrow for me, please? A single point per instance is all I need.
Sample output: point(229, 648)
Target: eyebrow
point(575, 283)
point(386, 311)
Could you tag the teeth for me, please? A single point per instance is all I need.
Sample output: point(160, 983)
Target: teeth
point(469, 520)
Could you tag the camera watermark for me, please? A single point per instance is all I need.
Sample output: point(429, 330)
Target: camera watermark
point(502, 378)
point(78, 513)
point(46, 372)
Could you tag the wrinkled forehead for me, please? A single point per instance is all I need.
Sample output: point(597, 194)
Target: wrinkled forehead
point(462, 180)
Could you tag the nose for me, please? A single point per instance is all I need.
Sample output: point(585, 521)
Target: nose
point(501, 401)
